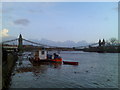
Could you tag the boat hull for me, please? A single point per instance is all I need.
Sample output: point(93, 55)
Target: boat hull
point(45, 60)
point(71, 63)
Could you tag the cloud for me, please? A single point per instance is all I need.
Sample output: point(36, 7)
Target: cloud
point(4, 33)
point(22, 22)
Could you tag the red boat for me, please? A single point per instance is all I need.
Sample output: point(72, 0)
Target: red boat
point(71, 63)
point(56, 60)
point(43, 56)
point(45, 60)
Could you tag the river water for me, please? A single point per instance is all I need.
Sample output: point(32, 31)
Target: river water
point(95, 70)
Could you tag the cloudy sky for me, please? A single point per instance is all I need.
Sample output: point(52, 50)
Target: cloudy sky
point(60, 21)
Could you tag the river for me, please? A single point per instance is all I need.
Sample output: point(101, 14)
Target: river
point(95, 70)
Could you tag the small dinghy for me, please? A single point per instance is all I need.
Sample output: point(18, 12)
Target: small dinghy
point(71, 63)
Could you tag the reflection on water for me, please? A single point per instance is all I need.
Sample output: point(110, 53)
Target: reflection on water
point(20, 60)
point(95, 70)
point(38, 68)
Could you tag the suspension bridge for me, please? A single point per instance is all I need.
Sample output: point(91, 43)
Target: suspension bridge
point(35, 45)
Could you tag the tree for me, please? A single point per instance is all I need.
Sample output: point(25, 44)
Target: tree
point(113, 40)
point(107, 43)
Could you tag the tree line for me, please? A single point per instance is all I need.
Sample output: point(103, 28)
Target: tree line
point(112, 41)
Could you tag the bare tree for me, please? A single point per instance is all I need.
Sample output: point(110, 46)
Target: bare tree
point(113, 40)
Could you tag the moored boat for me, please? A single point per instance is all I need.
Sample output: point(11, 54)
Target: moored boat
point(71, 63)
point(43, 56)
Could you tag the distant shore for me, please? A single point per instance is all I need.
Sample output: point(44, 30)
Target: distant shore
point(105, 49)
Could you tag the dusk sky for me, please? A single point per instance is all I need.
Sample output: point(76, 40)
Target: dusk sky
point(61, 21)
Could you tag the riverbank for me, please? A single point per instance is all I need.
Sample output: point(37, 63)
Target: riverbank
point(8, 62)
point(106, 49)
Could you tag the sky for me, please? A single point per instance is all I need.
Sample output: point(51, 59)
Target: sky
point(60, 21)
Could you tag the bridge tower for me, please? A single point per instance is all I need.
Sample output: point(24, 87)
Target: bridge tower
point(99, 43)
point(20, 43)
point(103, 42)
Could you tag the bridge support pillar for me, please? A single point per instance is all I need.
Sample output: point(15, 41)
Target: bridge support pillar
point(20, 43)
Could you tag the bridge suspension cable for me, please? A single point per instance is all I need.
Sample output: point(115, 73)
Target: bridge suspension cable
point(87, 45)
point(38, 43)
point(44, 45)
point(93, 44)
point(34, 42)
point(10, 40)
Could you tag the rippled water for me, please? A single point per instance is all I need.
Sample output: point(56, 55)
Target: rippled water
point(94, 70)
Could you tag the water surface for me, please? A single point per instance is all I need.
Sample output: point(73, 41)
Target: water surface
point(95, 70)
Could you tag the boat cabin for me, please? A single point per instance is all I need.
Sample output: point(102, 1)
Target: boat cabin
point(41, 55)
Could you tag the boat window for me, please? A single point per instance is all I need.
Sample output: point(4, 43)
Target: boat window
point(43, 52)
